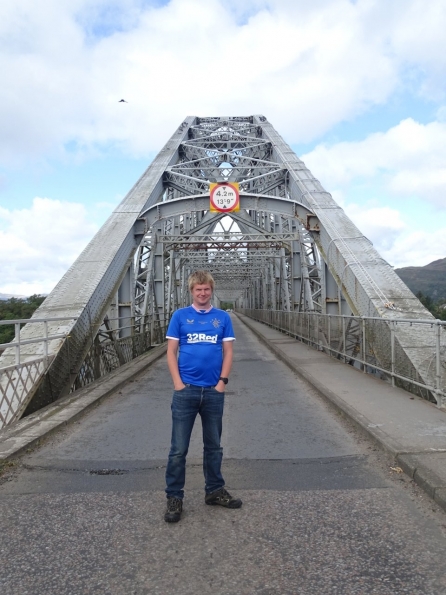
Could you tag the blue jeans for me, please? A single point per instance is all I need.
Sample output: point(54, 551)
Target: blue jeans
point(186, 403)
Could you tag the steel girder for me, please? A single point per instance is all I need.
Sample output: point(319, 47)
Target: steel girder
point(326, 265)
point(242, 251)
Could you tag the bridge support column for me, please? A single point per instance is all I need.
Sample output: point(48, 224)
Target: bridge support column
point(125, 306)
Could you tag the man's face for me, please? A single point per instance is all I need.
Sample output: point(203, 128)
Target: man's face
point(201, 296)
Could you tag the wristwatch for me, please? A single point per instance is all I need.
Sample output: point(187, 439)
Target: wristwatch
point(225, 380)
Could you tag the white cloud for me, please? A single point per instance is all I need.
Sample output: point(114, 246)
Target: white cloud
point(306, 66)
point(395, 241)
point(393, 186)
point(416, 248)
point(40, 243)
point(420, 43)
point(382, 225)
point(408, 160)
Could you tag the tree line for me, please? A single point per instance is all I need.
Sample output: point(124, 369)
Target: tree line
point(16, 308)
point(437, 308)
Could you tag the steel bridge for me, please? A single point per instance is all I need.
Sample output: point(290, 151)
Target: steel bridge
point(289, 256)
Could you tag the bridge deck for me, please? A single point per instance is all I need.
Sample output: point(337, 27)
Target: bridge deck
point(322, 513)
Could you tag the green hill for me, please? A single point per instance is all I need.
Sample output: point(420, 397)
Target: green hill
point(430, 279)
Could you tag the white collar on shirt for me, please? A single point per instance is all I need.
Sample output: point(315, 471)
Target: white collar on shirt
point(202, 311)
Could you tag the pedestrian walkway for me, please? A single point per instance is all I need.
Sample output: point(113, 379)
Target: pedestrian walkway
point(410, 428)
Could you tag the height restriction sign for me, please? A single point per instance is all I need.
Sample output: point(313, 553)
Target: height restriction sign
point(225, 197)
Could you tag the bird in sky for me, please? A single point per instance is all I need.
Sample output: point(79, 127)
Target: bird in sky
point(122, 101)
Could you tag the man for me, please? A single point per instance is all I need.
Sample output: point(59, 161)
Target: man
point(204, 337)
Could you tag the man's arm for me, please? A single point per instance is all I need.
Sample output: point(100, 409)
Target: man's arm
point(172, 363)
point(228, 350)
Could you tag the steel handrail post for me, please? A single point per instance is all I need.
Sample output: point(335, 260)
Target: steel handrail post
point(364, 346)
point(329, 334)
point(343, 339)
point(392, 351)
point(17, 339)
point(70, 373)
point(45, 342)
point(438, 363)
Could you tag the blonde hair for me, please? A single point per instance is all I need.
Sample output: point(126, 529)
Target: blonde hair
point(200, 278)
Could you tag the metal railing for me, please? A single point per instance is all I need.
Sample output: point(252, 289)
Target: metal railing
point(18, 378)
point(17, 343)
point(109, 351)
point(374, 345)
point(21, 370)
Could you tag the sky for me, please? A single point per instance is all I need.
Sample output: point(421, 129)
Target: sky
point(356, 87)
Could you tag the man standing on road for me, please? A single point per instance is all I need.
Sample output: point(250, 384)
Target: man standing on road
point(203, 336)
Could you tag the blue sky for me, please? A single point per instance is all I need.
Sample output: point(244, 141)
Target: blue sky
point(358, 89)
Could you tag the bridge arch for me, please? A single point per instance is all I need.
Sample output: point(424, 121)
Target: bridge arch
point(251, 253)
point(290, 248)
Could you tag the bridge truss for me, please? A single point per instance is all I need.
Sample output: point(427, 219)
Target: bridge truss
point(290, 247)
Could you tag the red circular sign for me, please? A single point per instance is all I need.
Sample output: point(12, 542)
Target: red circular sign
point(225, 197)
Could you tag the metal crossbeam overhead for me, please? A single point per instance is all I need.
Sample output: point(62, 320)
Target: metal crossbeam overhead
point(229, 240)
point(290, 247)
point(246, 147)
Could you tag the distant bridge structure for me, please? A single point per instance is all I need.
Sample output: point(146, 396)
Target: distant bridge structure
point(290, 254)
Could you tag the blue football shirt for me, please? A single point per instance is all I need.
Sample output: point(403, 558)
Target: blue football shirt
point(200, 336)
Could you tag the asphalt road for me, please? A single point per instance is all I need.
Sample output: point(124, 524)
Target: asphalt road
point(324, 511)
